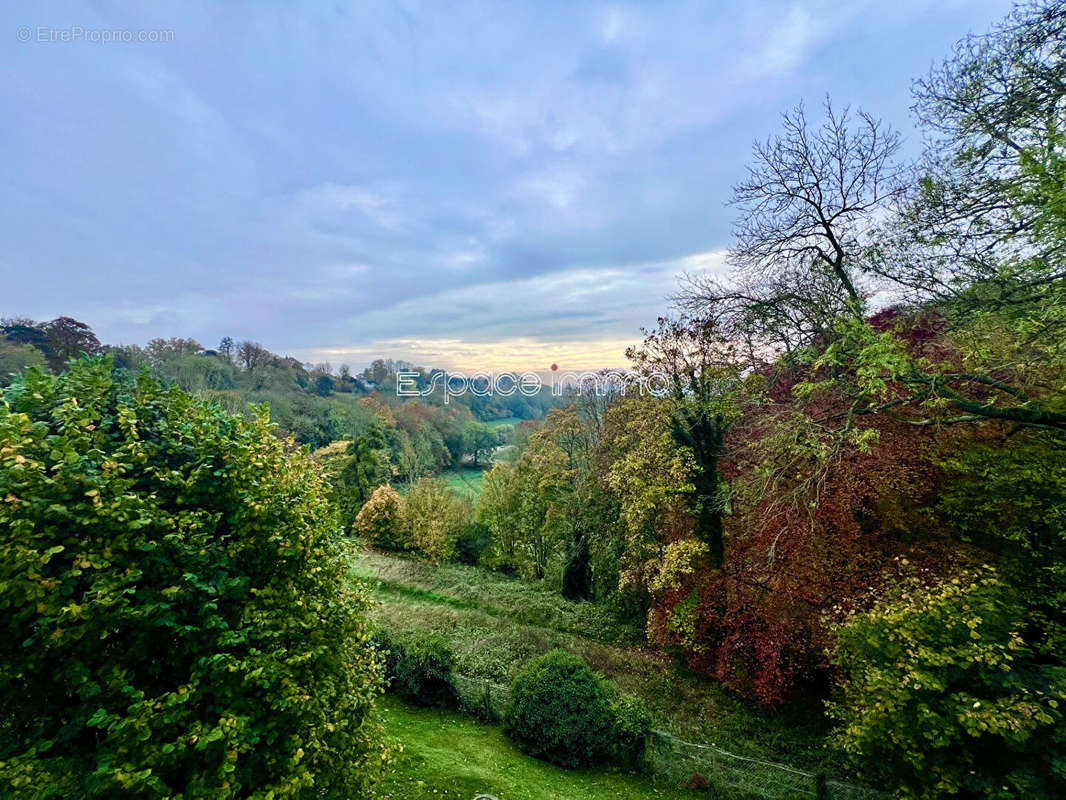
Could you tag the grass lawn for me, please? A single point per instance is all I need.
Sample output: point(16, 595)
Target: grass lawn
point(448, 755)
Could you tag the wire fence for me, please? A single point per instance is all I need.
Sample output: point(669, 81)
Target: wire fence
point(694, 764)
point(705, 764)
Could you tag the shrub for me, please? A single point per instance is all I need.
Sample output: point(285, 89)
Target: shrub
point(631, 726)
point(473, 542)
point(943, 696)
point(419, 667)
point(177, 603)
point(484, 706)
point(14, 358)
point(436, 517)
point(560, 711)
point(380, 520)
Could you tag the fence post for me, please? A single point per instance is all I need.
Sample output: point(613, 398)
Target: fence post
point(821, 791)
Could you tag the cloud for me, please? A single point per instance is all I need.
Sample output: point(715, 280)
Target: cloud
point(328, 200)
point(560, 187)
point(597, 310)
point(353, 175)
point(789, 39)
point(614, 24)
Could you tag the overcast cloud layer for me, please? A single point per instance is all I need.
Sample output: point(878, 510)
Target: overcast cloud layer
point(493, 185)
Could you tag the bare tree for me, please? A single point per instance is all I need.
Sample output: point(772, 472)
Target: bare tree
point(252, 355)
point(810, 197)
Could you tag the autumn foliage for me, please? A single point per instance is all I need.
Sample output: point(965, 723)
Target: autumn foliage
point(816, 528)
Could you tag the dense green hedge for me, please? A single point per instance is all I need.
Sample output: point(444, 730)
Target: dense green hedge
point(174, 612)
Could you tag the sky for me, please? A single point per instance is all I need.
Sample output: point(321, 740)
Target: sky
point(490, 185)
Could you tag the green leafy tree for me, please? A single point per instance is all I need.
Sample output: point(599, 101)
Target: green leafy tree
point(650, 475)
point(184, 627)
point(324, 385)
point(574, 433)
point(943, 696)
point(977, 242)
point(160, 350)
point(987, 210)
point(199, 373)
point(366, 469)
point(1008, 497)
point(701, 368)
point(526, 506)
point(497, 510)
point(479, 440)
point(227, 348)
point(23, 330)
point(404, 455)
point(430, 450)
point(435, 518)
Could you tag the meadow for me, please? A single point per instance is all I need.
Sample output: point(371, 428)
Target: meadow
point(465, 480)
point(494, 624)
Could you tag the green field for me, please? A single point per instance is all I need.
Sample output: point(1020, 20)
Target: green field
point(495, 423)
point(465, 481)
point(445, 754)
point(398, 581)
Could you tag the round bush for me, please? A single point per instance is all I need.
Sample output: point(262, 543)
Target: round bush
point(560, 711)
point(175, 609)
